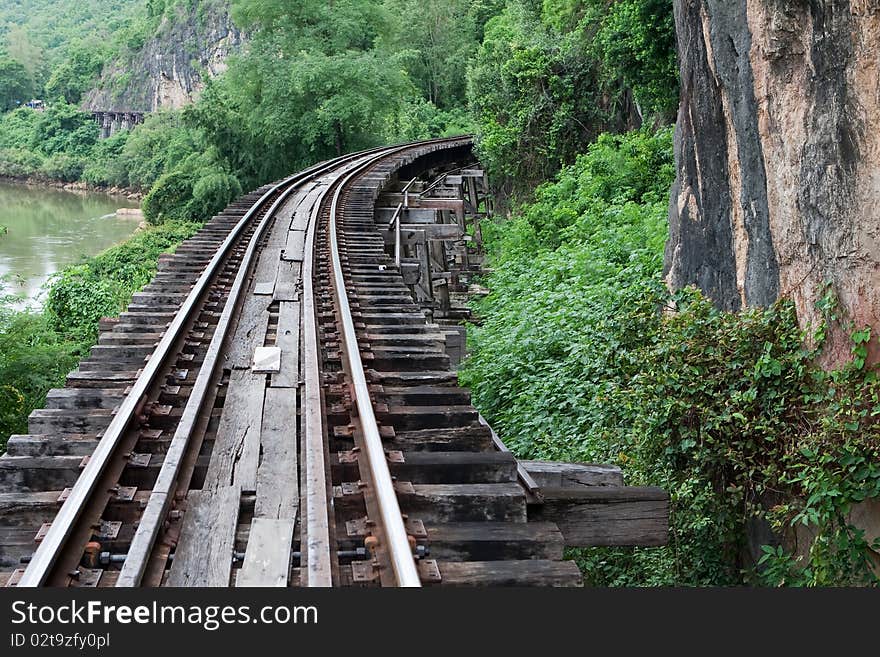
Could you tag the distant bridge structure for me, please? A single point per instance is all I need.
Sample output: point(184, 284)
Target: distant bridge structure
point(112, 121)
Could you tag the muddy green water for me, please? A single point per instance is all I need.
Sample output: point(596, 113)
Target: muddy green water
point(47, 229)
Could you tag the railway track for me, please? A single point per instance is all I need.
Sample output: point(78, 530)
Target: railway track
point(275, 409)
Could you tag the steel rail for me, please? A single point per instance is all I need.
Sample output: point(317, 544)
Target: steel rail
point(140, 550)
point(398, 546)
point(47, 553)
point(317, 567)
point(64, 522)
point(162, 494)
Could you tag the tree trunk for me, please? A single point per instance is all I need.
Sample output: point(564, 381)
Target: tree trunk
point(778, 157)
point(337, 130)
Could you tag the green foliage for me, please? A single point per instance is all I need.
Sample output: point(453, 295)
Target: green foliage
point(15, 84)
point(101, 286)
point(63, 128)
point(193, 191)
point(550, 76)
point(48, 35)
point(105, 166)
point(435, 54)
point(535, 93)
point(636, 43)
point(37, 350)
point(63, 167)
point(33, 358)
point(584, 355)
point(17, 128)
point(155, 147)
point(19, 163)
point(76, 74)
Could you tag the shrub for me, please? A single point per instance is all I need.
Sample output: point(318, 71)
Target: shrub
point(63, 167)
point(101, 286)
point(211, 193)
point(582, 354)
point(33, 358)
point(19, 163)
point(168, 198)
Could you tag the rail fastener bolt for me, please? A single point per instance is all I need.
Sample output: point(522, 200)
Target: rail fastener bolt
point(91, 554)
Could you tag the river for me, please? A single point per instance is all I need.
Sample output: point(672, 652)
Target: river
point(47, 229)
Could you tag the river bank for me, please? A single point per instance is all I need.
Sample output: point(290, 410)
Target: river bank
point(75, 186)
point(49, 228)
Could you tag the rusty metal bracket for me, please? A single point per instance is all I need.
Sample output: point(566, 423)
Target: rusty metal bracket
point(364, 571)
point(429, 571)
point(359, 527)
point(86, 577)
point(42, 531)
point(348, 456)
point(394, 456)
point(108, 530)
point(404, 487)
point(415, 528)
point(139, 460)
point(124, 493)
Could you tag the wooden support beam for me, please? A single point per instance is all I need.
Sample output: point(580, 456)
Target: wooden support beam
point(551, 474)
point(594, 516)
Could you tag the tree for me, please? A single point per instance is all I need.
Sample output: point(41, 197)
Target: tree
point(15, 83)
point(63, 128)
point(76, 74)
point(536, 94)
point(434, 41)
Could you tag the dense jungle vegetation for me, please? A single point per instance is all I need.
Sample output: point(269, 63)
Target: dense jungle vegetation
point(581, 352)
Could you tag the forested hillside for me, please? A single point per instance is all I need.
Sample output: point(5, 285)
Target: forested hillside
point(57, 47)
point(581, 350)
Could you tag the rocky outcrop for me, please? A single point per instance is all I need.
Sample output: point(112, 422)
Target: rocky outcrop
point(778, 157)
point(171, 68)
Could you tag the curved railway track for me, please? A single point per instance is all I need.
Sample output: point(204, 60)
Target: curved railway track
point(274, 409)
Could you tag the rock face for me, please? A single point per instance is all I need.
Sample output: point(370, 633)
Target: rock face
point(778, 157)
point(170, 69)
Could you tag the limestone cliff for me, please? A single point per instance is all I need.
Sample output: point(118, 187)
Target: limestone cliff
point(778, 157)
point(171, 67)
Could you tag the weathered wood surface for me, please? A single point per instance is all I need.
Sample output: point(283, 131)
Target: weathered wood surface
point(236, 452)
point(606, 515)
point(267, 556)
point(266, 271)
point(203, 556)
point(551, 474)
point(250, 332)
point(530, 572)
point(288, 338)
point(295, 248)
point(277, 479)
point(287, 281)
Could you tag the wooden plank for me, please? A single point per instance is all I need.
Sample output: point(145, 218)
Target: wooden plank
point(287, 284)
point(277, 477)
point(295, 248)
point(267, 268)
point(203, 556)
point(250, 332)
point(550, 474)
point(236, 452)
point(267, 556)
point(606, 515)
point(284, 217)
point(528, 572)
point(304, 211)
point(288, 340)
